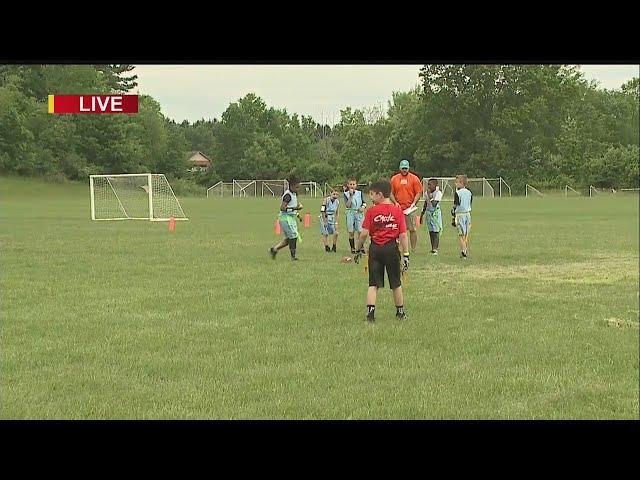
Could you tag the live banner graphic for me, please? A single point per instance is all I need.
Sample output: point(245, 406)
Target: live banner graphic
point(93, 104)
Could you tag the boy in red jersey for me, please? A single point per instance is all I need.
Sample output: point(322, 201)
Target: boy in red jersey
point(385, 223)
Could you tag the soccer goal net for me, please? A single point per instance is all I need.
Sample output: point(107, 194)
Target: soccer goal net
point(220, 189)
point(144, 196)
point(569, 192)
point(309, 189)
point(326, 190)
point(479, 187)
point(530, 191)
point(271, 188)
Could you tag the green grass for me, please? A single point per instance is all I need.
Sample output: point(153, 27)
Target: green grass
point(126, 320)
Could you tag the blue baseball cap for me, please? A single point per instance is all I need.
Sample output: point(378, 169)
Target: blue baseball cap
point(404, 164)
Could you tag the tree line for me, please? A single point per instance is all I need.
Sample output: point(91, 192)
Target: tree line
point(540, 124)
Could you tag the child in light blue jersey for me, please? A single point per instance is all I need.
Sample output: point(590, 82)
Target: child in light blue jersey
point(355, 205)
point(329, 219)
point(434, 214)
point(462, 211)
point(287, 217)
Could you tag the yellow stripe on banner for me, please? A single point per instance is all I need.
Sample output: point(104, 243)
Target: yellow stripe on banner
point(51, 104)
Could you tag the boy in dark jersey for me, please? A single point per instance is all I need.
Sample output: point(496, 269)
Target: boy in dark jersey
point(385, 223)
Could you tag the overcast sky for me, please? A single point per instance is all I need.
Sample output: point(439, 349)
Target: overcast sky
point(193, 92)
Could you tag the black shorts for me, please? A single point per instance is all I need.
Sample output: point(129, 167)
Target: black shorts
point(381, 258)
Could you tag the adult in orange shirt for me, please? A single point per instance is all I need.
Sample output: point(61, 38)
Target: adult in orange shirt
point(406, 190)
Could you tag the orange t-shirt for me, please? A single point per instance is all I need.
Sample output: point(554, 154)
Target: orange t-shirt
point(405, 189)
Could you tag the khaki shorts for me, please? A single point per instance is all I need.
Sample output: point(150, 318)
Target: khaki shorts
point(411, 221)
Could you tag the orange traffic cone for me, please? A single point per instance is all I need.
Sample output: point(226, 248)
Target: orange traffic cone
point(307, 219)
point(278, 229)
point(172, 224)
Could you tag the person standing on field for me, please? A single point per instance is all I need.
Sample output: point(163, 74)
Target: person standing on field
point(355, 204)
point(406, 190)
point(384, 223)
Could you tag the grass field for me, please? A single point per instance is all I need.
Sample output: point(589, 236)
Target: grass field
point(119, 320)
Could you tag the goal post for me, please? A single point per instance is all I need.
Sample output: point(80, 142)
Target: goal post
point(500, 187)
point(272, 188)
point(530, 191)
point(571, 192)
point(447, 187)
point(480, 187)
point(133, 196)
point(220, 189)
point(310, 189)
point(244, 188)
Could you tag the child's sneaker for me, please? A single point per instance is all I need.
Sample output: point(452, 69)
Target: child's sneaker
point(371, 317)
point(463, 255)
point(434, 252)
point(273, 252)
point(327, 249)
point(294, 259)
point(333, 249)
point(401, 316)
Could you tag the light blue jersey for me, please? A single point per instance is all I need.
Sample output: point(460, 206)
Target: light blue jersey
point(293, 203)
point(354, 217)
point(465, 199)
point(356, 201)
point(330, 208)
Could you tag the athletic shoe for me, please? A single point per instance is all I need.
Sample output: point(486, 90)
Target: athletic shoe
point(463, 255)
point(333, 249)
point(371, 317)
point(353, 252)
point(327, 249)
point(294, 258)
point(435, 252)
point(401, 316)
point(272, 252)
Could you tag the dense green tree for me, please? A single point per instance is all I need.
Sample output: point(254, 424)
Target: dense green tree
point(540, 124)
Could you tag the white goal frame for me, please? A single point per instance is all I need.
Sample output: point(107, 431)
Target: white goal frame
point(448, 187)
point(147, 187)
point(566, 191)
point(528, 187)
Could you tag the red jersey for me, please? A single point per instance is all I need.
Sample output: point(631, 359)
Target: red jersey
point(385, 223)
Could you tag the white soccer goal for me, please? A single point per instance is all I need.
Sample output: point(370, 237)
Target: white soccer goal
point(500, 187)
point(530, 191)
point(244, 188)
point(271, 188)
point(220, 189)
point(480, 187)
point(310, 189)
point(136, 196)
point(447, 187)
point(570, 192)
